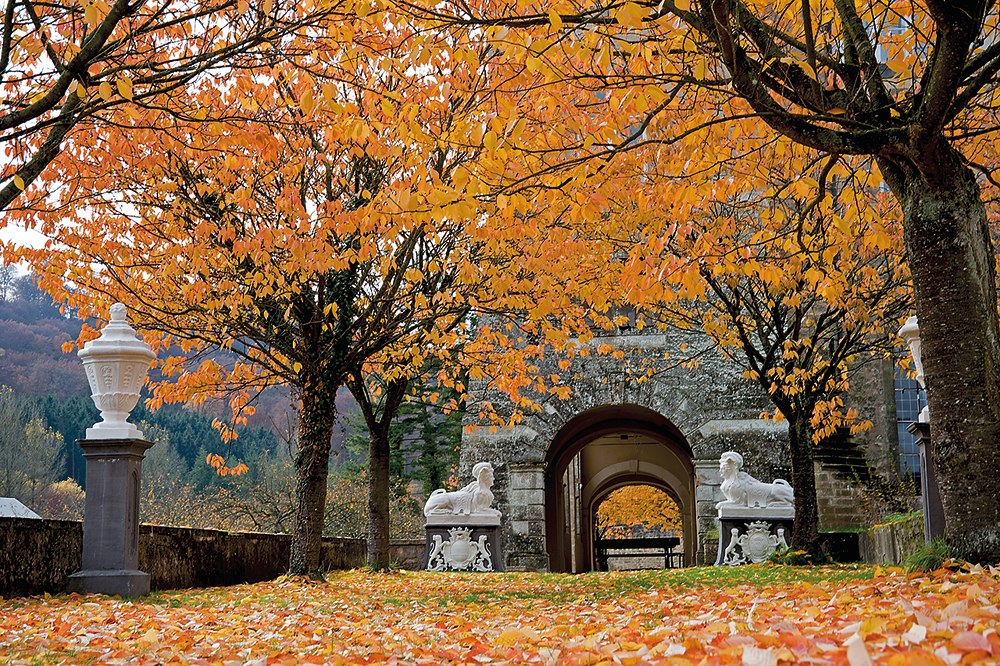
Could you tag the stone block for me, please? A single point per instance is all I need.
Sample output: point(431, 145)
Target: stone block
point(525, 497)
point(521, 479)
point(531, 512)
point(528, 562)
point(122, 583)
point(708, 493)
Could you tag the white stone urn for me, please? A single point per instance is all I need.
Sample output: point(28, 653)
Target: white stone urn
point(910, 332)
point(116, 365)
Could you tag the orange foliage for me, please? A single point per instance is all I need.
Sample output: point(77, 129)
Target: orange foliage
point(637, 505)
point(65, 65)
point(755, 615)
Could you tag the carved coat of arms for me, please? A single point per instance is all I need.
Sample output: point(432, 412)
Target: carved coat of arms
point(460, 552)
point(756, 545)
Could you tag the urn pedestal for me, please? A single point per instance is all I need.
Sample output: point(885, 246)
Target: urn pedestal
point(111, 519)
point(931, 496)
point(464, 543)
point(116, 365)
point(750, 535)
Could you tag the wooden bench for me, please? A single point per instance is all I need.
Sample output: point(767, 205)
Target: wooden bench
point(604, 549)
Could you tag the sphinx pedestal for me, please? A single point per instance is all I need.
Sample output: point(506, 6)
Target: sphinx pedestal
point(463, 543)
point(750, 535)
point(111, 519)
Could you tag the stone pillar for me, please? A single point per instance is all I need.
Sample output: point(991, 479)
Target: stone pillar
point(707, 494)
point(933, 512)
point(111, 519)
point(526, 505)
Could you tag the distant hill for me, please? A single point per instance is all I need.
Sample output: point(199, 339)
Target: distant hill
point(32, 333)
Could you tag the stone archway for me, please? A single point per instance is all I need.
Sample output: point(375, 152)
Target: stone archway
point(598, 450)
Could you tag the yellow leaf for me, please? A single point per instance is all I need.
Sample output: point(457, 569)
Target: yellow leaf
point(306, 102)
point(297, 367)
point(872, 625)
point(805, 67)
point(19, 182)
point(124, 85)
point(555, 21)
point(104, 90)
point(630, 15)
point(91, 15)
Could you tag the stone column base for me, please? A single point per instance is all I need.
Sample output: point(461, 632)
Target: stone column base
point(120, 582)
point(529, 562)
point(463, 548)
point(751, 536)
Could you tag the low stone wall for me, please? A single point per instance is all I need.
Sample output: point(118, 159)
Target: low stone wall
point(408, 554)
point(39, 555)
point(892, 543)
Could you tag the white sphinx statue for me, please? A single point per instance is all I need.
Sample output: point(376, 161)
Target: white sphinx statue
point(742, 490)
point(469, 504)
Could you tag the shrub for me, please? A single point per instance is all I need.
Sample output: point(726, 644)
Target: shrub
point(932, 556)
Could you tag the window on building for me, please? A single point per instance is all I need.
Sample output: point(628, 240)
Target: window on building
point(910, 399)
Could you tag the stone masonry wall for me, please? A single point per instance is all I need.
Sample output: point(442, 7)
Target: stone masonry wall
point(714, 408)
point(837, 500)
point(39, 555)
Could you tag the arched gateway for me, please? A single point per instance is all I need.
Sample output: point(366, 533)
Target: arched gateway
point(598, 451)
point(617, 428)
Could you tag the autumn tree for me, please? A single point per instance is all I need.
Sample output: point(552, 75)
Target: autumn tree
point(315, 231)
point(410, 415)
point(65, 65)
point(29, 451)
point(909, 85)
point(799, 289)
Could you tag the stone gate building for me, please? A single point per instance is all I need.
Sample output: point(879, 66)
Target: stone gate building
point(621, 426)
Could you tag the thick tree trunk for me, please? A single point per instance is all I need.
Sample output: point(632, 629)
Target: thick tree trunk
point(316, 416)
point(378, 499)
point(952, 262)
point(805, 534)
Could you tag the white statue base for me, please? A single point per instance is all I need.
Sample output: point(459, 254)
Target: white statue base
point(756, 513)
point(474, 548)
point(461, 519)
point(755, 519)
point(463, 530)
point(109, 430)
point(751, 539)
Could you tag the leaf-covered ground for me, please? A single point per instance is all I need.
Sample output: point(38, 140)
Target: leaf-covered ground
point(763, 614)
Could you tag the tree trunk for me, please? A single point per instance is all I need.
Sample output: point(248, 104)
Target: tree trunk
point(952, 263)
point(378, 498)
point(316, 416)
point(805, 531)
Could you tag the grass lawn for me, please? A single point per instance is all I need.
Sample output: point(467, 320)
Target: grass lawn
point(762, 614)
